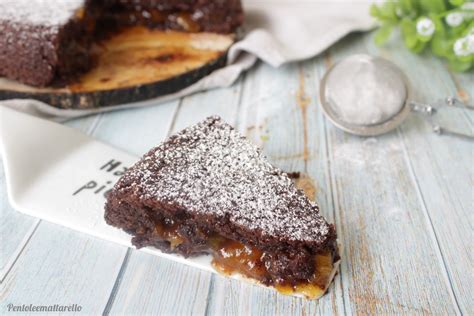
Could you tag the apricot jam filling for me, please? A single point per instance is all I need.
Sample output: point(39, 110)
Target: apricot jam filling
point(170, 234)
point(233, 257)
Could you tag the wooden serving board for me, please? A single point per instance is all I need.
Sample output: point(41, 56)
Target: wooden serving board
point(134, 65)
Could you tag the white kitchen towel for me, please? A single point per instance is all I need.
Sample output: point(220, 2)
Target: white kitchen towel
point(68, 178)
point(277, 32)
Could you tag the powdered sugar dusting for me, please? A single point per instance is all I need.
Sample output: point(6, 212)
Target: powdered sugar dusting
point(48, 13)
point(210, 168)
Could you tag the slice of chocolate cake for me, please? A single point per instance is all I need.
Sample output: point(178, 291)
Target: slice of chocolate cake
point(209, 190)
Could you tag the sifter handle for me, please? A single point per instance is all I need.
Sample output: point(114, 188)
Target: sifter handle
point(428, 111)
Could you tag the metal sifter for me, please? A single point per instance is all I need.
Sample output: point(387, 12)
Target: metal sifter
point(368, 96)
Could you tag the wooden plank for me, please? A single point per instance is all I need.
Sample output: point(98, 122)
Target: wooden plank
point(15, 229)
point(390, 264)
point(279, 112)
point(136, 130)
point(443, 168)
point(150, 285)
point(154, 286)
point(60, 267)
point(464, 86)
point(97, 263)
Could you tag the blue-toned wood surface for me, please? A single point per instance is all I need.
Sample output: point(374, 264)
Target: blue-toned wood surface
point(403, 204)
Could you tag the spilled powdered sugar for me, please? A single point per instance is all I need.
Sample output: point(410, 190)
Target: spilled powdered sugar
point(211, 168)
point(48, 13)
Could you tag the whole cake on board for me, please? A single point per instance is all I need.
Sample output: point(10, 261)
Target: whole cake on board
point(209, 190)
point(48, 42)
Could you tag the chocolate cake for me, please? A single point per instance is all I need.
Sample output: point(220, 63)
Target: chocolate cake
point(209, 190)
point(48, 42)
point(221, 16)
point(41, 41)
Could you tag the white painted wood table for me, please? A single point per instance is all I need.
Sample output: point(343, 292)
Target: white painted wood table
point(402, 202)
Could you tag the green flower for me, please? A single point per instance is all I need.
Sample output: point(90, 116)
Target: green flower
point(464, 46)
point(446, 27)
point(454, 19)
point(425, 28)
